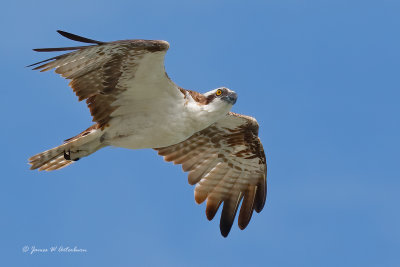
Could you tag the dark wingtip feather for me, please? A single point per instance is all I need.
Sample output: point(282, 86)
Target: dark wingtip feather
point(261, 196)
point(246, 211)
point(228, 215)
point(78, 38)
point(212, 208)
point(56, 49)
point(41, 62)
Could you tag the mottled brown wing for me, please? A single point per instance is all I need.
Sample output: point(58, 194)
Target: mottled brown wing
point(100, 73)
point(227, 163)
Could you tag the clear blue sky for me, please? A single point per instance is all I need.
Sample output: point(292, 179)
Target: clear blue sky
point(322, 79)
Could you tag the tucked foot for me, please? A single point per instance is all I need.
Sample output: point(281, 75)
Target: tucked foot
point(67, 156)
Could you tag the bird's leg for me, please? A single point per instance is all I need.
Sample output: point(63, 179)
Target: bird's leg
point(67, 155)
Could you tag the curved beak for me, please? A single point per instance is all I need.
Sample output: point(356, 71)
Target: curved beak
point(230, 98)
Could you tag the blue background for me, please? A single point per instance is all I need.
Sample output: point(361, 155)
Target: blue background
point(322, 79)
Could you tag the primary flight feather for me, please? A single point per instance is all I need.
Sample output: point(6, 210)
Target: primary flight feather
point(135, 105)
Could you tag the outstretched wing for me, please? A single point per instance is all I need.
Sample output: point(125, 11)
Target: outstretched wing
point(227, 163)
point(111, 75)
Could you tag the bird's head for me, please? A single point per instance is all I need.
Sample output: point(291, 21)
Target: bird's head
point(220, 99)
point(211, 106)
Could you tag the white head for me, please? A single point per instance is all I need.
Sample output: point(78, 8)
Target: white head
point(220, 100)
point(211, 106)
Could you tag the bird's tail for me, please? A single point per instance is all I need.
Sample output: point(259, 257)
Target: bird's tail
point(72, 150)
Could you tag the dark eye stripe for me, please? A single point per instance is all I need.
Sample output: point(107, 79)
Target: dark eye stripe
point(211, 97)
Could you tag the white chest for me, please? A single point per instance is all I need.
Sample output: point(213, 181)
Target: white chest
point(154, 123)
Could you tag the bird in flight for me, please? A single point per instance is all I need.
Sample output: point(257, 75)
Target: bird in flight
point(135, 105)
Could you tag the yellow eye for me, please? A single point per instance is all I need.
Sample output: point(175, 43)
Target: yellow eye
point(219, 92)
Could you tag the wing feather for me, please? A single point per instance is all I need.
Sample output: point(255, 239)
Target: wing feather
point(102, 72)
point(226, 162)
point(78, 38)
point(246, 210)
point(205, 166)
point(228, 213)
point(196, 159)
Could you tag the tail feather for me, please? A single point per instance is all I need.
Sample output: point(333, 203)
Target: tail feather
point(73, 149)
point(49, 160)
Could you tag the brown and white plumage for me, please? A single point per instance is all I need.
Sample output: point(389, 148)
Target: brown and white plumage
point(135, 105)
point(99, 73)
point(226, 161)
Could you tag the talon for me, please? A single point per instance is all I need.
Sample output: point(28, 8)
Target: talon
point(67, 156)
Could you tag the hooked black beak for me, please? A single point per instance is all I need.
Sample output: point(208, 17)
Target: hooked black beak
point(230, 98)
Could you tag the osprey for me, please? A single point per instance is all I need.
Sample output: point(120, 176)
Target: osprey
point(135, 105)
